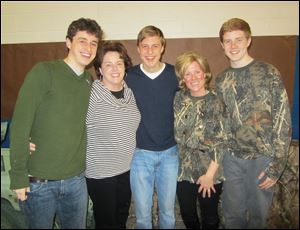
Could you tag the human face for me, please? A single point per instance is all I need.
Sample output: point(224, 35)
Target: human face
point(150, 50)
point(82, 49)
point(235, 45)
point(113, 71)
point(194, 79)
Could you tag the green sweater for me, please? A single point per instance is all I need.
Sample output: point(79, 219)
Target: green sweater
point(50, 109)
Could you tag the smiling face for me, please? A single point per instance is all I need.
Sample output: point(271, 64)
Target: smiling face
point(150, 50)
point(113, 71)
point(235, 45)
point(82, 49)
point(194, 79)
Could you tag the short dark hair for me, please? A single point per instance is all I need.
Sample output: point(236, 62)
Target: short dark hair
point(115, 46)
point(84, 24)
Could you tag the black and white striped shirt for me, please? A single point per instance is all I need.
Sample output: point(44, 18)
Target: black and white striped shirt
point(111, 132)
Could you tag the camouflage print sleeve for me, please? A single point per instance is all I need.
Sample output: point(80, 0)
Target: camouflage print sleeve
point(177, 118)
point(281, 133)
point(219, 140)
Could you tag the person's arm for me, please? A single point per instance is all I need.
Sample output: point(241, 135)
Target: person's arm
point(29, 97)
point(179, 112)
point(219, 131)
point(281, 133)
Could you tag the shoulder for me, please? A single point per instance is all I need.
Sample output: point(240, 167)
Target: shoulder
point(126, 88)
point(170, 72)
point(97, 90)
point(267, 66)
point(267, 70)
point(89, 77)
point(47, 66)
point(42, 65)
point(97, 86)
point(180, 95)
point(216, 100)
point(40, 71)
point(212, 96)
point(213, 93)
point(132, 73)
point(55, 63)
point(133, 70)
point(221, 75)
point(170, 68)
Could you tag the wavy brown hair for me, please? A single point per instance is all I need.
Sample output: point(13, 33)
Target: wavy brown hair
point(115, 46)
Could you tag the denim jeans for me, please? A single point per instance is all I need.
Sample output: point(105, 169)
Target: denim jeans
point(159, 170)
point(65, 198)
point(245, 206)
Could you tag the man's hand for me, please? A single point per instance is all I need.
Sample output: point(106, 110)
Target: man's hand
point(21, 193)
point(267, 183)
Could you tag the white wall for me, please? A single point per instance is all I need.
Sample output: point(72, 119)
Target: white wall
point(28, 22)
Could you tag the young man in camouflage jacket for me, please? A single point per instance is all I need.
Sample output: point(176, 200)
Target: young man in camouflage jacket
point(260, 129)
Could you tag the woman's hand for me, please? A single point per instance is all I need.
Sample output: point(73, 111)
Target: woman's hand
point(206, 181)
point(206, 185)
point(31, 147)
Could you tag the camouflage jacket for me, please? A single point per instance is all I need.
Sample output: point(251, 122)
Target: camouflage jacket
point(199, 133)
point(258, 108)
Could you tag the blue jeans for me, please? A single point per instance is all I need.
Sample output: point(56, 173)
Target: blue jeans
point(245, 206)
point(65, 198)
point(157, 169)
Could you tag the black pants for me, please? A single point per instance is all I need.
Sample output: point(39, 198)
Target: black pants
point(111, 201)
point(187, 194)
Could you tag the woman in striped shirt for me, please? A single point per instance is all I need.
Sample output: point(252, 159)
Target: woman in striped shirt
point(112, 121)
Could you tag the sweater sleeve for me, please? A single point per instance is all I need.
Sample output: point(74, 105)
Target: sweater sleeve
point(281, 132)
point(218, 144)
point(31, 93)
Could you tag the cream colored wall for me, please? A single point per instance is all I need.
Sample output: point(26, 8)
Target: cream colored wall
point(27, 22)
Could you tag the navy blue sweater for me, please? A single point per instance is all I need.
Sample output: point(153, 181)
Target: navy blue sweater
point(154, 99)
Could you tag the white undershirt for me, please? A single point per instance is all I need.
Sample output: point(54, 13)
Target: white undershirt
point(155, 74)
point(77, 72)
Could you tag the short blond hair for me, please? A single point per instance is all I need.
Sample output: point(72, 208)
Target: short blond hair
point(184, 61)
point(151, 31)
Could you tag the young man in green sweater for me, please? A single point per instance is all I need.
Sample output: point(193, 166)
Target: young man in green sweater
point(50, 110)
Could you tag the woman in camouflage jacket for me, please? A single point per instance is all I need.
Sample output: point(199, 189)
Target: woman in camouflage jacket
point(199, 132)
